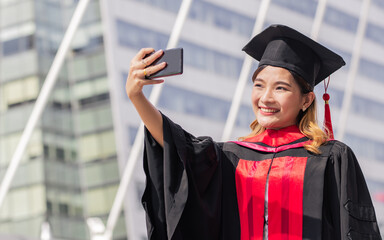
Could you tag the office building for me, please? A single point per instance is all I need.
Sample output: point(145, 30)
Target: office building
point(69, 171)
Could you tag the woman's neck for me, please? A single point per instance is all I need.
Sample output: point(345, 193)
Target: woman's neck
point(277, 137)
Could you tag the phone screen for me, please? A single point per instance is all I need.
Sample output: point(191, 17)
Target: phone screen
point(174, 59)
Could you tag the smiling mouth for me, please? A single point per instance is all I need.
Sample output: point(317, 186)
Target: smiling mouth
point(268, 110)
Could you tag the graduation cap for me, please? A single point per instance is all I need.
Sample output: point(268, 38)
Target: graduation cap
point(282, 46)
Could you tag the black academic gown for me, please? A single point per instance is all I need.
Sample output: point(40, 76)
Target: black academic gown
point(191, 189)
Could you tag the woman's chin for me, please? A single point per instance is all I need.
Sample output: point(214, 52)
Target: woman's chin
point(266, 122)
point(269, 125)
point(272, 125)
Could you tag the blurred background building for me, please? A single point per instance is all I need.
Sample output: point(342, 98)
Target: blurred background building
point(72, 165)
point(70, 170)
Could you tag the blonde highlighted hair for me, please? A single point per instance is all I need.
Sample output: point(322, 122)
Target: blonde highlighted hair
point(307, 120)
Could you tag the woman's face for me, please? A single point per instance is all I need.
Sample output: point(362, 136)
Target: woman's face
point(277, 98)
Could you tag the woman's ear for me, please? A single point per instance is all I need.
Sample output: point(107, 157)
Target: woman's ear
point(308, 99)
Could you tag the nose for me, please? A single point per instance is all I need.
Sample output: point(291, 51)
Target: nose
point(267, 96)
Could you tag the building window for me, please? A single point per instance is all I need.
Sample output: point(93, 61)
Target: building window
point(97, 65)
point(100, 173)
point(366, 147)
point(63, 209)
point(169, 5)
point(194, 55)
point(371, 69)
point(379, 3)
point(375, 33)
point(78, 68)
point(94, 119)
point(368, 108)
point(130, 35)
point(20, 91)
point(24, 202)
point(93, 99)
point(104, 197)
point(97, 146)
point(181, 100)
point(341, 19)
point(14, 13)
point(49, 208)
point(60, 154)
point(306, 7)
point(210, 60)
point(61, 174)
point(46, 151)
point(8, 144)
point(17, 45)
point(211, 14)
point(220, 17)
point(88, 89)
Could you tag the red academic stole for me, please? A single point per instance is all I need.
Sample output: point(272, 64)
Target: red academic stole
point(285, 192)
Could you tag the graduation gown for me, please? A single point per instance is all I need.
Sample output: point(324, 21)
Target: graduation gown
point(199, 189)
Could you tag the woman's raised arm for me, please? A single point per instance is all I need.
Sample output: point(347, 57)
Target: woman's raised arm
point(136, 80)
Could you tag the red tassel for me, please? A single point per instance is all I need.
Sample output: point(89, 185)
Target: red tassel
point(327, 112)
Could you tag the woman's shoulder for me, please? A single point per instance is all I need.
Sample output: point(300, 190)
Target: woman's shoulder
point(336, 148)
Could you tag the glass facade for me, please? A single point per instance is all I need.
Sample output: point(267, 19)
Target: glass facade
point(69, 171)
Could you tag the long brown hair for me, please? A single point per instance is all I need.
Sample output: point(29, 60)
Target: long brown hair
point(307, 120)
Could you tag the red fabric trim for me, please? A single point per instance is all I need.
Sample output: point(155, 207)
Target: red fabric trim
point(270, 149)
point(251, 179)
point(279, 137)
point(285, 194)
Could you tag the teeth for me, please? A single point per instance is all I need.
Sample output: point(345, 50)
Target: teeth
point(268, 110)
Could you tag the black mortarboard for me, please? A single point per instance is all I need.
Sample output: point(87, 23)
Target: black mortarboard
point(282, 46)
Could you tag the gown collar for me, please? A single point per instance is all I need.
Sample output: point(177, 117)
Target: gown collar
point(275, 138)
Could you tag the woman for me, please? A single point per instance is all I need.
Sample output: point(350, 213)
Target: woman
point(286, 180)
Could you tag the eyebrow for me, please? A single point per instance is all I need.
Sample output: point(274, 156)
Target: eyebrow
point(258, 79)
point(283, 83)
point(276, 83)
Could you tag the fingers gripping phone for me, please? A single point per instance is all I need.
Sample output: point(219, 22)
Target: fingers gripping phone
point(174, 59)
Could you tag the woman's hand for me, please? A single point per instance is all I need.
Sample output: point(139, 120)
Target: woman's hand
point(136, 80)
point(139, 70)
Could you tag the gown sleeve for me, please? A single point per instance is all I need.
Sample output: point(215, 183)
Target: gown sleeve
point(348, 195)
point(183, 185)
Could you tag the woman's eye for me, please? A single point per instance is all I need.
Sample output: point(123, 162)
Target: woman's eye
point(281, 88)
point(257, 85)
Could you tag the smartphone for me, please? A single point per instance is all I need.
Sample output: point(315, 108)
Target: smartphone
point(174, 59)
